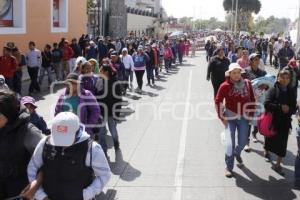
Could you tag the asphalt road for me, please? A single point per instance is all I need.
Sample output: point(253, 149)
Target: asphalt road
point(171, 148)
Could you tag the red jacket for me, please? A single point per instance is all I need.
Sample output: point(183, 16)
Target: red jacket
point(67, 53)
point(8, 66)
point(235, 101)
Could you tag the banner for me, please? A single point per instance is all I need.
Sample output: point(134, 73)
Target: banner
point(6, 13)
point(55, 13)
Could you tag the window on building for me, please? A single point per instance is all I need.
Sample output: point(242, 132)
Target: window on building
point(59, 16)
point(12, 16)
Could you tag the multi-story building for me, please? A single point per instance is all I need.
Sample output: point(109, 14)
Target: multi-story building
point(43, 21)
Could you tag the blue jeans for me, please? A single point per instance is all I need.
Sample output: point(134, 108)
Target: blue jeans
point(265, 57)
point(297, 161)
point(242, 127)
point(112, 127)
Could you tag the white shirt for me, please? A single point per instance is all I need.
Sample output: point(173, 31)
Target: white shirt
point(127, 61)
point(99, 164)
point(34, 58)
point(277, 47)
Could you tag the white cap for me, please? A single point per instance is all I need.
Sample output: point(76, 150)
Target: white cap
point(81, 60)
point(64, 127)
point(232, 67)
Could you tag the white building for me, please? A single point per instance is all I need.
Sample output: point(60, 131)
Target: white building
point(148, 5)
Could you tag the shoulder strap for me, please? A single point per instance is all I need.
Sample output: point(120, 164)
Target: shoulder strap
point(91, 151)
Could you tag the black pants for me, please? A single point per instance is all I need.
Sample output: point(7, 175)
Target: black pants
point(139, 78)
point(17, 81)
point(216, 85)
point(12, 188)
point(180, 58)
point(33, 73)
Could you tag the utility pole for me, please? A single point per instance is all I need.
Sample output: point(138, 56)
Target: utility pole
point(236, 16)
point(232, 15)
point(298, 34)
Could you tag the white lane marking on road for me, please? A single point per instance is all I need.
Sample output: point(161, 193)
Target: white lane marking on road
point(181, 152)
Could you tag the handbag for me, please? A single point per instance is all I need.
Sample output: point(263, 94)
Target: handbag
point(264, 125)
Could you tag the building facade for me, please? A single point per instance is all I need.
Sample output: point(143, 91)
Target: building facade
point(43, 21)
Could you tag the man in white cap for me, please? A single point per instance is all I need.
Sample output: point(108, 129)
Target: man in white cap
point(73, 166)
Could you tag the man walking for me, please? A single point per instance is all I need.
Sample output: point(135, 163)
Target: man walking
point(34, 62)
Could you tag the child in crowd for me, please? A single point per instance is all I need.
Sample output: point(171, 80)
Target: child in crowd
point(35, 119)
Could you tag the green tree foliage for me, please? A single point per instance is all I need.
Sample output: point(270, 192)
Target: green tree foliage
point(252, 6)
point(212, 23)
point(271, 25)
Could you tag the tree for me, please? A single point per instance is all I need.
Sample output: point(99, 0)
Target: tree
point(245, 10)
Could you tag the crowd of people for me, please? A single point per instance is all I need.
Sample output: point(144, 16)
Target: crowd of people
point(40, 162)
point(248, 99)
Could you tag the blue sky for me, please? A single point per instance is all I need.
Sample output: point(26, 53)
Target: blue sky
point(214, 8)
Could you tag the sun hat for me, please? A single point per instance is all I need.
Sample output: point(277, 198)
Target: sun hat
point(64, 128)
point(80, 60)
point(232, 67)
point(28, 100)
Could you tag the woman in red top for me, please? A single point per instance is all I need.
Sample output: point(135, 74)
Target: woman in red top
point(235, 115)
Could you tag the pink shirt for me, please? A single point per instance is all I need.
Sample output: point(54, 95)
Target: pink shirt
point(243, 63)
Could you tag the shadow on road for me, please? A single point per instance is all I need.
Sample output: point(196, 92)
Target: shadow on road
point(271, 189)
point(123, 169)
point(109, 195)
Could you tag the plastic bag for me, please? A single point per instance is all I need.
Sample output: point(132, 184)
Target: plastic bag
point(227, 141)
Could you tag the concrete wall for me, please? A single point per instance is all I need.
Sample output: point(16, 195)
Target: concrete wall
point(139, 22)
point(38, 24)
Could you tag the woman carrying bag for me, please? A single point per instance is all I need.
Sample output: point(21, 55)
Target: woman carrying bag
point(280, 101)
point(235, 114)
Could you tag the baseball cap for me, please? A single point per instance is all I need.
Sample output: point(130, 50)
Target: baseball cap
point(80, 60)
point(28, 100)
point(254, 55)
point(64, 127)
point(114, 53)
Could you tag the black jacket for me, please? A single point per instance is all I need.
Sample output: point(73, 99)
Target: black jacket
point(217, 68)
point(274, 100)
point(17, 144)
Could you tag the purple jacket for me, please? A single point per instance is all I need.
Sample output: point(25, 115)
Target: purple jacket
point(89, 112)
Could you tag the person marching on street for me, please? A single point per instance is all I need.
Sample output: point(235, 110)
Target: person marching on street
point(239, 97)
point(18, 140)
point(140, 60)
point(34, 63)
point(217, 67)
point(73, 166)
point(253, 72)
point(129, 68)
point(46, 65)
point(281, 102)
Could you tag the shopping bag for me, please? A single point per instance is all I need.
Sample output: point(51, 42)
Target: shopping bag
point(264, 125)
point(226, 141)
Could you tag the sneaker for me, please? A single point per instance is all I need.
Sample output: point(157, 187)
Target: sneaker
point(279, 170)
point(267, 157)
point(239, 161)
point(247, 148)
point(228, 173)
point(254, 140)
